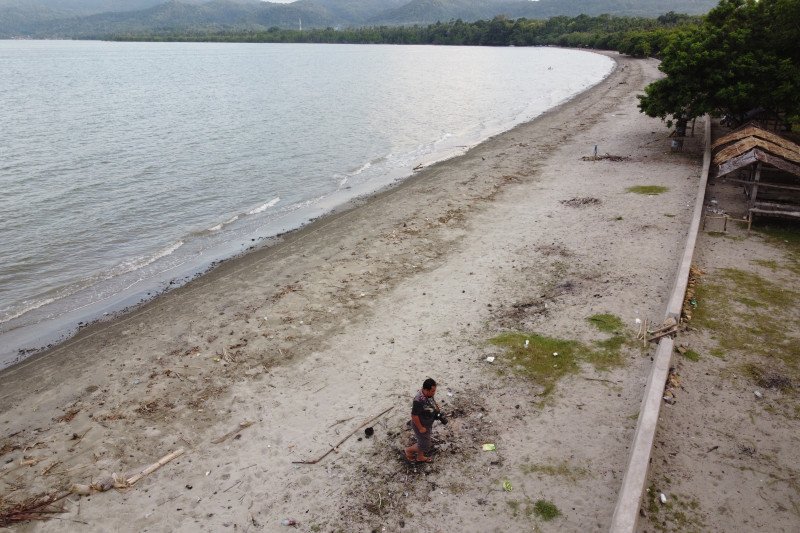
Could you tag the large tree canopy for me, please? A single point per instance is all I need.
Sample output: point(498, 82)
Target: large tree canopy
point(744, 56)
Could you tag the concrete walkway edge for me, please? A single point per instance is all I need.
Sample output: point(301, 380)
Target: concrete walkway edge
point(626, 512)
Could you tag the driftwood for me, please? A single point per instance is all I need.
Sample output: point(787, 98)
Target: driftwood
point(333, 448)
point(123, 482)
point(663, 333)
point(242, 425)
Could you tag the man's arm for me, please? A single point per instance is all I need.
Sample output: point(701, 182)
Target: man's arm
point(415, 419)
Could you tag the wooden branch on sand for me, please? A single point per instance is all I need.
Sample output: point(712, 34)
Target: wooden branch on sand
point(155, 466)
point(242, 425)
point(333, 448)
point(121, 482)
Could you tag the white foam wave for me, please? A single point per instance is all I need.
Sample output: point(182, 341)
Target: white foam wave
point(215, 228)
point(264, 207)
point(141, 262)
point(362, 169)
point(121, 269)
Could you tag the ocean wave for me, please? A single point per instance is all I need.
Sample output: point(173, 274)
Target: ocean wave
point(25, 309)
point(69, 290)
point(264, 207)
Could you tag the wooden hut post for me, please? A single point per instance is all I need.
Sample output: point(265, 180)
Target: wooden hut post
point(753, 195)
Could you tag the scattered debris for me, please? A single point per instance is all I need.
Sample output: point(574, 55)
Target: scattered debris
point(673, 382)
point(580, 202)
point(607, 157)
point(35, 508)
point(334, 448)
point(489, 447)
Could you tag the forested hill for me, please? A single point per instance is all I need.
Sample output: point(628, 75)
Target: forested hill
point(99, 18)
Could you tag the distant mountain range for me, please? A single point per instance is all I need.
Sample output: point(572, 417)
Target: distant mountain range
point(99, 18)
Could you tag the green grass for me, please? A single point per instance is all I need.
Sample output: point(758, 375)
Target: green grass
point(772, 265)
point(786, 235)
point(749, 315)
point(647, 189)
point(537, 362)
point(739, 308)
point(546, 510)
point(606, 322)
point(691, 355)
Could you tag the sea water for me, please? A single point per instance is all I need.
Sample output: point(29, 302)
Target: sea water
point(128, 168)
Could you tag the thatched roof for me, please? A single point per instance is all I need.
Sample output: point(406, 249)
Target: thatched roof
point(749, 144)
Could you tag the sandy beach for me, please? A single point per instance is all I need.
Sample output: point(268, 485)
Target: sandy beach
point(308, 339)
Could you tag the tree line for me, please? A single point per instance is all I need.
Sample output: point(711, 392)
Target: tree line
point(636, 36)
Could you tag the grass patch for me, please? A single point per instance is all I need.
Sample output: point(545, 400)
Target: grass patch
point(537, 361)
point(770, 264)
point(747, 314)
point(718, 352)
point(546, 360)
point(691, 355)
point(786, 235)
point(741, 309)
point(607, 323)
point(647, 189)
point(546, 510)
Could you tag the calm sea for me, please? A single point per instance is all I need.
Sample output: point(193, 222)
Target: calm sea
point(127, 166)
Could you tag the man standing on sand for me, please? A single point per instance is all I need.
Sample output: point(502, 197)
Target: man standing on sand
point(424, 411)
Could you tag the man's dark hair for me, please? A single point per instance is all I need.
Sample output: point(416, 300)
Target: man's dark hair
point(428, 384)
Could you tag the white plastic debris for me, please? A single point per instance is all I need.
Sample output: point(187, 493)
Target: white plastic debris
point(555, 354)
point(490, 359)
point(662, 497)
point(638, 321)
point(526, 343)
point(758, 394)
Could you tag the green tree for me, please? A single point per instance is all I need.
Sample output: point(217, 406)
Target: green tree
point(744, 56)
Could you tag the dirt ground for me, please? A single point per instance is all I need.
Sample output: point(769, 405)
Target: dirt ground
point(726, 454)
point(524, 238)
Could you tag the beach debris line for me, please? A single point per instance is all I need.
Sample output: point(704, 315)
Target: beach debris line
point(607, 156)
point(334, 447)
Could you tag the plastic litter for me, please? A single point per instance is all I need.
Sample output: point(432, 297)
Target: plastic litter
point(758, 394)
point(489, 447)
point(288, 522)
point(662, 497)
point(490, 359)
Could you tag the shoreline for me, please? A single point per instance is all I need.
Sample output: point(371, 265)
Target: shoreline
point(344, 318)
point(30, 335)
